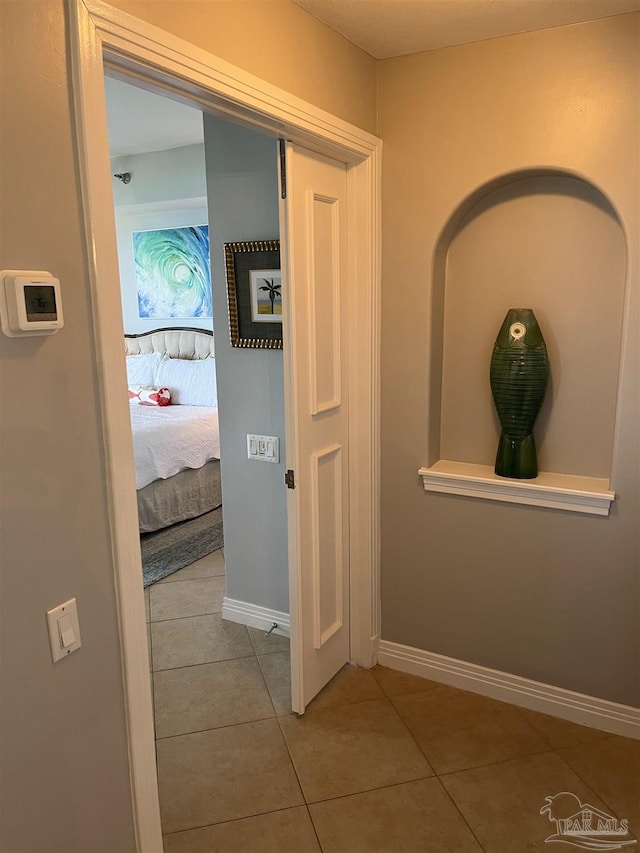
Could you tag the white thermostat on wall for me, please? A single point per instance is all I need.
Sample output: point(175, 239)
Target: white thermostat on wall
point(30, 303)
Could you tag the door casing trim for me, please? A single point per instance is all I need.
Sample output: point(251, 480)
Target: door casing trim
point(102, 35)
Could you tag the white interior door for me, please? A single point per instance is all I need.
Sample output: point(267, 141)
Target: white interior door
point(315, 256)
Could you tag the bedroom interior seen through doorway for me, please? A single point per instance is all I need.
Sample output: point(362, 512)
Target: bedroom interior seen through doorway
point(165, 164)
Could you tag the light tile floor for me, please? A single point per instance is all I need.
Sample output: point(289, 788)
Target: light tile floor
point(382, 762)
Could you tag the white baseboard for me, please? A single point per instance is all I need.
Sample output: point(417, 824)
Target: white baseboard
point(256, 617)
point(555, 701)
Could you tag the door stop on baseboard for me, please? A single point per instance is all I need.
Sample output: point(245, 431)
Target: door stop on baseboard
point(273, 627)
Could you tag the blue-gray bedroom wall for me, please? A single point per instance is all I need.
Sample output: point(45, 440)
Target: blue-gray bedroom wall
point(242, 189)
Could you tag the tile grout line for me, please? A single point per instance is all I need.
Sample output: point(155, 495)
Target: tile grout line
point(255, 655)
point(152, 663)
point(164, 581)
point(366, 790)
point(184, 580)
point(541, 734)
point(233, 820)
point(152, 678)
point(152, 670)
point(436, 775)
point(431, 767)
point(229, 725)
point(370, 790)
point(550, 749)
point(313, 826)
point(190, 616)
point(264, 680)
point(584, 781)
point(410, 733)
point(548, 746)
point(295, 770)
point(457, 808)
point(497, 763)
point(203, 662)
point(217, 660)
point(217, 728)
point(399, 785)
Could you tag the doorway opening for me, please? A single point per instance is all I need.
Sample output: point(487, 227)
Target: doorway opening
point(184, 185)
point(162, 63)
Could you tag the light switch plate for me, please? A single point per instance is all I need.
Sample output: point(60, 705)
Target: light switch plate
point(263, 448)
point(65, 631)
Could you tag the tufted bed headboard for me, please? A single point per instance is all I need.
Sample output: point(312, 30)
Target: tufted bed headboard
point(176, 342)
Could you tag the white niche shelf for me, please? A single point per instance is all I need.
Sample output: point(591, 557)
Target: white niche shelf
point(558, 491)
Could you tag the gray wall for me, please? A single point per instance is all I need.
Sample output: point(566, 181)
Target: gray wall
point(160, 175)
point(243, 205)
point(554, 245)
point(65, 780)
point(548, 595)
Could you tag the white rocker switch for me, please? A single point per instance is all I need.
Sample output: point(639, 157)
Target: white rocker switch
point(67, 634)
point(64, 629)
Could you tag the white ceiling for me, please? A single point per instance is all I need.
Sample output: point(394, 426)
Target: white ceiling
point(386, 28)
point(140, 121)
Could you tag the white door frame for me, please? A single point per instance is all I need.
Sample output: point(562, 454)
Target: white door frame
point(99, 33)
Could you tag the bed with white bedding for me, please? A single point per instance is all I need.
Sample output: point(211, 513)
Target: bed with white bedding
point(169, 439)
point(176, 446)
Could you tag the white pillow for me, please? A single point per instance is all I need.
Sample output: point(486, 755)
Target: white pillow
point(141, 369)
point(191, 383)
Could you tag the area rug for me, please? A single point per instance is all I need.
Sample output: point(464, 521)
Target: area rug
point(169, 550)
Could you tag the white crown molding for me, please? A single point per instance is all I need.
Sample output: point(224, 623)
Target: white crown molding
point(506, 687)
point(232, 90)
point(588, 495)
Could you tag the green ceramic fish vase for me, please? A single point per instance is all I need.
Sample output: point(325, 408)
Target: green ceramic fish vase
point(518, 374)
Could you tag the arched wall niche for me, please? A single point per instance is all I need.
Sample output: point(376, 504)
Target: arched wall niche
point(549, 240)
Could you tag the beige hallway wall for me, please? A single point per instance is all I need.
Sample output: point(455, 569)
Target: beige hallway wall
point(64, 763)
point(547, 595)
point(279, 42)
point(64, 758)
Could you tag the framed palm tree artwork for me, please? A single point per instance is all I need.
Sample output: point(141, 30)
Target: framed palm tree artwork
point(266, 296)
point(254, 292)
